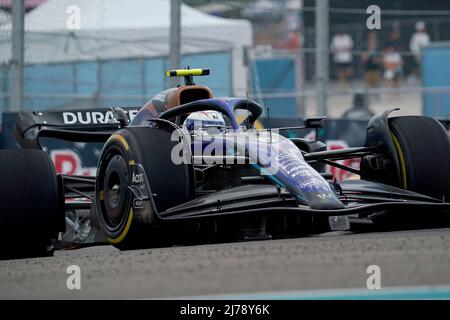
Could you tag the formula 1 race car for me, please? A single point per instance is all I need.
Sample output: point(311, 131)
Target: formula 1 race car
point(183, 170)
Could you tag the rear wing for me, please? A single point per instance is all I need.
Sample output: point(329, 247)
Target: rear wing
point(78, 125)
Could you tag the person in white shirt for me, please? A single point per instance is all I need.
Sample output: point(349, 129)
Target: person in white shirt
point(419, 40)
point(392, 68)
point(341, 47)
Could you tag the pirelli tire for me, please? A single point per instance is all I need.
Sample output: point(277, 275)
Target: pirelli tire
point(423, 151)
point(125, 226)
point(31, 204)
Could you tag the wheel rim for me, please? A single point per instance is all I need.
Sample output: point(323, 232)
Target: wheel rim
point(115, 187)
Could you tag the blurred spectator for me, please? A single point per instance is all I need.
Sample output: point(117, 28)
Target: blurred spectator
point(292, 23)
point(372, 61)
point(341, 47)
point(394, 37)
point(419, 40)
point(293, 40)
point(360, 109)
point(392, 66)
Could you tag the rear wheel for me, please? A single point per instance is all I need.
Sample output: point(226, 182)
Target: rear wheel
point(423, 152)
point(31, 205)
point(126, 225)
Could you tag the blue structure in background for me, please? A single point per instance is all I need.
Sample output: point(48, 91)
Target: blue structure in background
point(275, 76)
point(129, 82)
point(436, 73)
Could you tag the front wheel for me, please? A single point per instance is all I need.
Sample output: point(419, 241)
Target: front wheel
point(423, 151)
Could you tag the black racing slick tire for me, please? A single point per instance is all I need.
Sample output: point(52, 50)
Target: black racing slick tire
point(124, 225)
point(423, 151)
point(31, 204)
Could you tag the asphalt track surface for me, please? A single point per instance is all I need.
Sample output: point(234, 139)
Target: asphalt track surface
point(329, 261)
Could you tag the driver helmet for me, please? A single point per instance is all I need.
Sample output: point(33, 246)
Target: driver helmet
point(208, 121)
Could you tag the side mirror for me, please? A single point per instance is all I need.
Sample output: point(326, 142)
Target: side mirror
point(314, 123)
